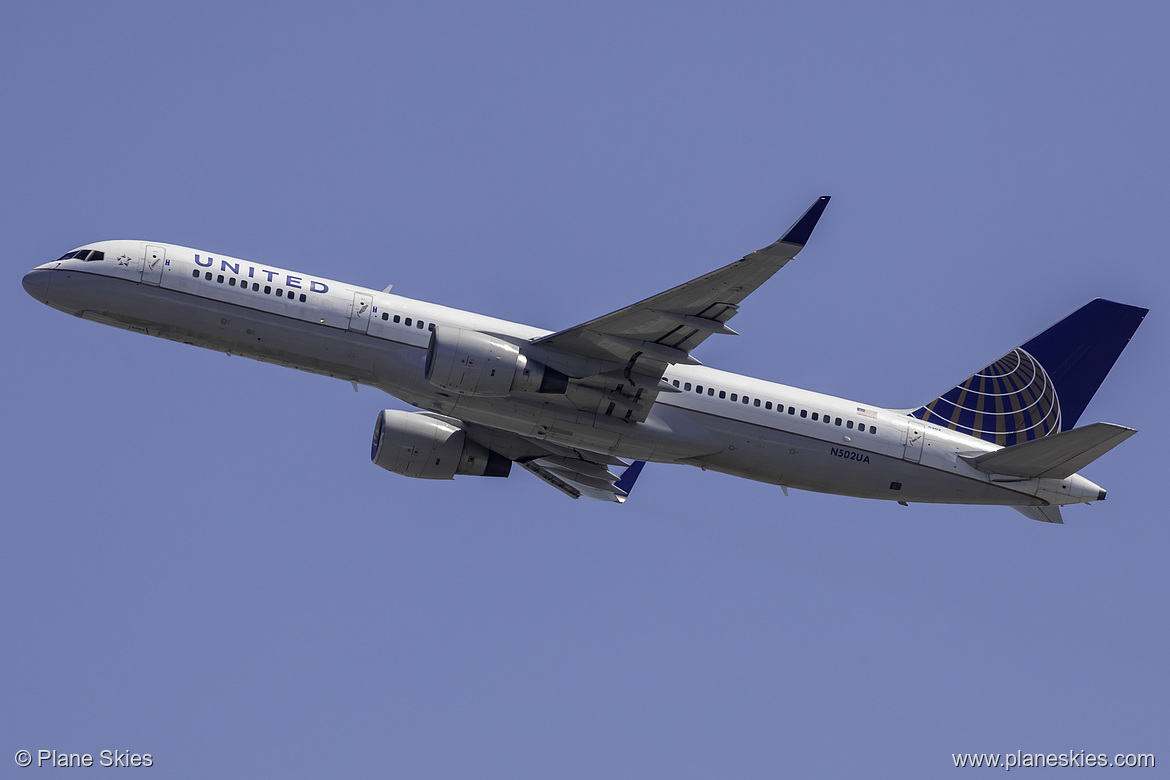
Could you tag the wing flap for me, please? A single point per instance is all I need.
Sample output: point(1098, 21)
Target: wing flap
point(573, 471)
point(1045, 514)
point(551, 479)
point(576, 484)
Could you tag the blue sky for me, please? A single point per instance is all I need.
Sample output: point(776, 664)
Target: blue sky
point(201, 563)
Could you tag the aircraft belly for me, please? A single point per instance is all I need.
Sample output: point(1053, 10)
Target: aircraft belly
point(286, 341)
point(216, 325)
point(118, 302)
point(844, 468)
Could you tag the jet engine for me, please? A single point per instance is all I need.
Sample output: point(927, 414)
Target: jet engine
point(415, 444)
point(472, 363)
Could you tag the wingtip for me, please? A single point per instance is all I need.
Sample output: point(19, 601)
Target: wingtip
point(799, 233)
point(626, 483)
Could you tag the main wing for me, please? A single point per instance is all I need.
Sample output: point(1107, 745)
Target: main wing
point(573, 471)
point(618, 359)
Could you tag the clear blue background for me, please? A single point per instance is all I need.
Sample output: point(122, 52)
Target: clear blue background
point(200, 562)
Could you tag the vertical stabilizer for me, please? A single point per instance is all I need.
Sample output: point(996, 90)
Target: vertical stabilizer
point(1042, 386)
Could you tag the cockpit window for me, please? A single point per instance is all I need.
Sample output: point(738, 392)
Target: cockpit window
point(85, 255)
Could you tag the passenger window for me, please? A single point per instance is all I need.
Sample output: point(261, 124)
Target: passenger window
point(756, 402)
point(711, 391)
point(207, 276)
point(735, 396)
point(268, 289)
point(849, 424)
point(397, 319)
point(675, 383)
point(722, 393)
point(232, 282)
point(419, 324)
point(744, 399)
point(804, 413)
point(872, 429)
point(255, 287)
point(302, 298)
point(699, 389)
point(768, 405)
point(431, 327)
point(408, 322)
point(385, 315)
point(815, 417)
point(837, 421)
point(219, 278)
point(687, 386)
point(195, 273)
point(792, 410)
point(827, 419)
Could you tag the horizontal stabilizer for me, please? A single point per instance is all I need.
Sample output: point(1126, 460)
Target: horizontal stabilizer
point(1056, 456)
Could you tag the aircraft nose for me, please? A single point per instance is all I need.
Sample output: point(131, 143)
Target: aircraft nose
point(36, 284)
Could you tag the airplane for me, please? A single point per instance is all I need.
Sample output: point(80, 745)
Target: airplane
point(586, 407)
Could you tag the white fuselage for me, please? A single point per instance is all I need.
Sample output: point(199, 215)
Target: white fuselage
point(781, 434)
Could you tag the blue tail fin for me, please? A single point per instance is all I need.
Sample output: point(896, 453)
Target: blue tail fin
point(1043, 386)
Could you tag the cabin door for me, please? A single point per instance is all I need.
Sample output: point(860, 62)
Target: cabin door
point(152, 264)
point(915, 436)
point(359, 313)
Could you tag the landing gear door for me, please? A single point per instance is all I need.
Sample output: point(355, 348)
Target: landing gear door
point(915, 437)
point(359, 314)
point(152, 264)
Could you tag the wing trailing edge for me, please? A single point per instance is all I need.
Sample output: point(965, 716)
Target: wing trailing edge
point(666, 327)
point(619, 358)
point(1045, 514)
point(578, 478)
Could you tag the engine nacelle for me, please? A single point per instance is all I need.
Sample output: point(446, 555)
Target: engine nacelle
point(415, 444)
point(472, 363)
